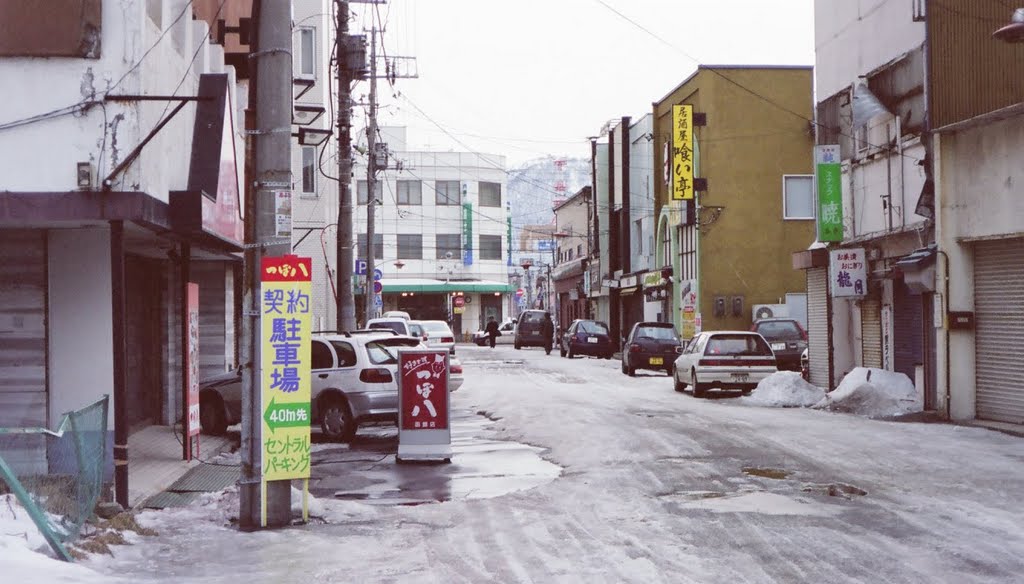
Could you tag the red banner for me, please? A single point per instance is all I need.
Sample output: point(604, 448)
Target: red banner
point(192, 364)
point(287, 268)
point(424, 379)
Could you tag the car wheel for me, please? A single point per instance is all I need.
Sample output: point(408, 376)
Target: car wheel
point(569, 353)
point(607, 355)
point(518, 346)
point(211, 414)
point(676, 384)
point(336, 420)
point(630, 371)
point(699, 389)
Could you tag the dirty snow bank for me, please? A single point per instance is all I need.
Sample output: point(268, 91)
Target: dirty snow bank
point(784, 389)
point(874, 393)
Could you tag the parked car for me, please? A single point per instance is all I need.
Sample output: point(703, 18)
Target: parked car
point(399, 325)
point(439, 334)
point(586, 337)
point(397, 314)
point(507, 336)
point(787, 339)
point(416, 330)
point(650, 345)
point(528, 330)
point(455, 377)
point(354, 381)
point(723, 360)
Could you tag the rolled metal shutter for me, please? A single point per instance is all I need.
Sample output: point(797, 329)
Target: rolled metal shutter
point(907, 330)
point(817, 327)
point(999, 330)
point(871, 332)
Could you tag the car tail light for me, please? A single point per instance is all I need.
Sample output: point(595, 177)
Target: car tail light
point(634, 348)
point(447, 339)
point(376, 375)
point(456, 368)
point(730, 362)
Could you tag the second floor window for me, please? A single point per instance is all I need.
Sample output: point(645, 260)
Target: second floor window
point(362, 189)
point(798, 197)
point(410, 192)
point(490, 194)
point(309, 170)
point(447, 192)
point(306, 54)
point(490, 247)
point(378, 246)
point(449, 243)
point(410, 247)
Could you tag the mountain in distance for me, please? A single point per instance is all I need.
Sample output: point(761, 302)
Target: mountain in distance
point(535, 186)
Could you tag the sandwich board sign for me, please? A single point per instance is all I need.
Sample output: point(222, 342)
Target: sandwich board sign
point(424, 418)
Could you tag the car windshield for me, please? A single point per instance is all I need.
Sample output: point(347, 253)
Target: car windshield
point(415, 329)
point(664, 333)
point(780, 330)
point(738, 346)
point(594, 328)
point(385, 351)
point(531, 317)
point(436, 327)
point(397, 326)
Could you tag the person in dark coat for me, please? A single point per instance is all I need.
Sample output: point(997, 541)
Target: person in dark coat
point(492, 330)
point(547, 330)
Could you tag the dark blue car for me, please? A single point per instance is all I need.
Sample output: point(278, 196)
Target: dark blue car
point(586, 337)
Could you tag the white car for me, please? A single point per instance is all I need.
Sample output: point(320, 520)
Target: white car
point(439, 334)
point(723, 360)
point(397, 314)
point(397, 324)
point(507, 336)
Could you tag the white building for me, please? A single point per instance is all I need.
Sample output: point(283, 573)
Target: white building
point(442, 233)
point(105, 216)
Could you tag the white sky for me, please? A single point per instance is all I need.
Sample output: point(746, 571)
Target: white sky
point(526, 78)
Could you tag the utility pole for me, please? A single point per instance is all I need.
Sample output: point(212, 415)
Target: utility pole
point(346, 309)
point(269, 153)
point(371, 182)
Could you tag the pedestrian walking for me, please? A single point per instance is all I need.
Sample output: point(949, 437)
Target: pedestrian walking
point(492, 330)
point(547, 330)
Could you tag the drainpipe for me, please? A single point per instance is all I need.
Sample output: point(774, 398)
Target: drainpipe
point(945, 329)
point(117, 299)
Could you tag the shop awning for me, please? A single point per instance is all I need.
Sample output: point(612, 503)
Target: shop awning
point(395, 285)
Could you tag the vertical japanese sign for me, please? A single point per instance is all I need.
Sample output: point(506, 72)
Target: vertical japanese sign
point(830, 193)
point(682, 157)
point(424, 431)
point(508, 221)
point(192, 364)
point(283, 213)
point(467, 234)
point(849, 271)
point(285, 333)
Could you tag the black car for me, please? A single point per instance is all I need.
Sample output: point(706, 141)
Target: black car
point(650, 345)
point(586, 337)
point(787, 338)
point(528, 330)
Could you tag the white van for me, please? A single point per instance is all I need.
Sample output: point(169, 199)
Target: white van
point(396, 314)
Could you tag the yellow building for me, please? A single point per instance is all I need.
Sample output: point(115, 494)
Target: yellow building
point(752, 144)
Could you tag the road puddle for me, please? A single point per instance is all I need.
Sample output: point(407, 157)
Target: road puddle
point(768, 473)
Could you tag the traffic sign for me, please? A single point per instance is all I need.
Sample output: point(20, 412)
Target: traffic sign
point(378, 287)
point(520, 292)
point(377, 274)
point(360, 268)
point(459, 301)
point(377, 300)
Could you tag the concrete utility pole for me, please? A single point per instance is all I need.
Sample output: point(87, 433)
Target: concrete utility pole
point(270, 94)
point(371, 182)
point(343, 246)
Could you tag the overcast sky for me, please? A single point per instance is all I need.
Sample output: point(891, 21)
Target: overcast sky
point(525, 78)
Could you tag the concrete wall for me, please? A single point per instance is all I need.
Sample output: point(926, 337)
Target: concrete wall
point(867, 183)
point(80, 315)
point(641, 195)
point(853, 37)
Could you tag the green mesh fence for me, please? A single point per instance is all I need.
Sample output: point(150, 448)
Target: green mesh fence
point(58, 475)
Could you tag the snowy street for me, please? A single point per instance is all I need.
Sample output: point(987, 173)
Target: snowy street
point(656, 486)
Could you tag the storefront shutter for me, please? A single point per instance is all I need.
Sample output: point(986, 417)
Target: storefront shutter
point(817, 326)
point(908, 342)
point(871, 332)
point(999, 330)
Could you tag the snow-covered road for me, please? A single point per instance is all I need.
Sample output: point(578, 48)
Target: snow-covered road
point(657, 487)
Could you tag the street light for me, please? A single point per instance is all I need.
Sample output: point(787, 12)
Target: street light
point(1013, 32)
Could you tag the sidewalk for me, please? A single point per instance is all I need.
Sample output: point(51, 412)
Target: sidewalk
point(155, 462)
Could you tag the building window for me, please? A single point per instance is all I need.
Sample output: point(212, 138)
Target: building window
point(378, 246)
point(447, 192)
point(410, 247)
point(309, 170)
point(490, 247)
point(579, 250)
point(449, 243)
point(490, 194)
point(410, 192)
point(361, 190)
point(798, 197)
point(306, 54)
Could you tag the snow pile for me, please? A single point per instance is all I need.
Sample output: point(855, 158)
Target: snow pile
point(875, 393)
point(17, 529)
point(784, 389)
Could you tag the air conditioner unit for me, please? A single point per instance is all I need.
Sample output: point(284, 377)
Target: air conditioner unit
point(770, 311)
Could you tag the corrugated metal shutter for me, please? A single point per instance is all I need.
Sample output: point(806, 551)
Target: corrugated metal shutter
point(907, 330)
point(871, 332)
point(23, 344)
point(999, 330)
point(817, 326)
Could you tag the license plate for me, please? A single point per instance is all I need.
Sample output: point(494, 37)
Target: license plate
point(778, 346)
point(657, 361)
point(740, 376)
point(535, 333)
point(592, 340)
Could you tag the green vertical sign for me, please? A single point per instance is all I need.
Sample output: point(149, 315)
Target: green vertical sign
point(467, 234)
point(508, 221)
point(830, 192)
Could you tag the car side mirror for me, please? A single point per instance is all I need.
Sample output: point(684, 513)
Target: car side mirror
point(515, 320)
